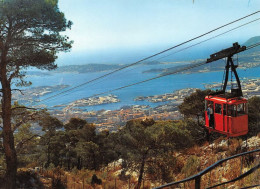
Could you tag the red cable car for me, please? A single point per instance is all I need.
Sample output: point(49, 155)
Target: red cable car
point(226, 112)
point(229, 115)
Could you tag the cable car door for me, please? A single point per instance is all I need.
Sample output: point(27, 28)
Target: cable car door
point(218, 117)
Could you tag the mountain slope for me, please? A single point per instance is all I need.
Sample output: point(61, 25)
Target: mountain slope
point(252, 40)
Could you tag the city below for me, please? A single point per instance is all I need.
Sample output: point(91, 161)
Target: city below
point(113, 119)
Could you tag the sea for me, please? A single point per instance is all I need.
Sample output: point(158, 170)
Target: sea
point(123, 78)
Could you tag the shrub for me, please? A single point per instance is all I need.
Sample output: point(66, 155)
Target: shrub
point(192, 166)
point(234, 146)
point(195, 150)
point(179, 165)
point(28, 179)
point(95, 180)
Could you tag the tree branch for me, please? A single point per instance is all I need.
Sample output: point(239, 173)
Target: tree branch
point(18, 90)
point(20, 144)
point(24, 107)
point(14, 73)
point(24, 120)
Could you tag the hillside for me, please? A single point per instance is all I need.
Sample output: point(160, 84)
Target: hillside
point(247, 59)
point(87, 68)
point(252, 41)
point(154, 152)
point(185, 163)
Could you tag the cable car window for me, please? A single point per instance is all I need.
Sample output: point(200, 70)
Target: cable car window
point(241, 109)
point(218, 108)
point(224, 109)
point(207, 102)
point(232, 110)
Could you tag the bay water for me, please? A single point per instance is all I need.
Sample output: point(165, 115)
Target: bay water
point(122, 78)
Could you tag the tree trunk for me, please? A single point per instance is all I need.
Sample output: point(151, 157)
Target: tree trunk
point(140, 178)
point(198, 120)
point(8, 137)
point(68, 163)
point(48, 156)
point(94, 161)
point(79, 163)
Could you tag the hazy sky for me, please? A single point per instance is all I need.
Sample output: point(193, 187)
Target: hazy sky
point(103, 28)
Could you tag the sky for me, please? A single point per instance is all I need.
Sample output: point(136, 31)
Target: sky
point(124, 31)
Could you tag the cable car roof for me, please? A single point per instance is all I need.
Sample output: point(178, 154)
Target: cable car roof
point(222, 99)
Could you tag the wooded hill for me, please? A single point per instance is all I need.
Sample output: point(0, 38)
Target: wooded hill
point(158, 151)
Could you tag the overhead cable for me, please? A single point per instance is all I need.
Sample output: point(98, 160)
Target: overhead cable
point(166, 74)
point(149, 57)
point(157, 77)
point(209, 39)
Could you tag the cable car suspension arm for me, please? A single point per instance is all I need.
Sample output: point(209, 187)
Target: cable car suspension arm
point(228, 53)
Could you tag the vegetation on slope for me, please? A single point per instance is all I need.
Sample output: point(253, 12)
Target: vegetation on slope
point(158, 151)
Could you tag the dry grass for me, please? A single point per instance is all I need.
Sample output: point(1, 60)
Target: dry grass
point(235, 146)
point(187, 163)
point(195, 150)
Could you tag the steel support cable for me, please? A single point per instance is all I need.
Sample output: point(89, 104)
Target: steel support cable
point(149, 57)
point(209, 39)
point(253, 46)
point(67, 93)
point(183, 49)
point(150, 79)
point(163, 75)
point(205, 40)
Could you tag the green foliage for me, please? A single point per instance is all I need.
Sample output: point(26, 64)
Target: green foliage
point(74, 124)
point(34, 33)
point(197, 132)
point(52, 141)
point(49, 123)
point(52, 2)
point(191, 167)
point(51, 166)
point(28, 179)
point(193, 105)
point(139, 141)
point(77, 146)
point(75, 170)
point(88, 152)
point(234, 147)
point(254, 115)
point(162, 168)
point(30, 36)
point(26, 145)
point(2, 164)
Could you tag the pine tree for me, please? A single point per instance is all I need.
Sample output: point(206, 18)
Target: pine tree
point(29, 37)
